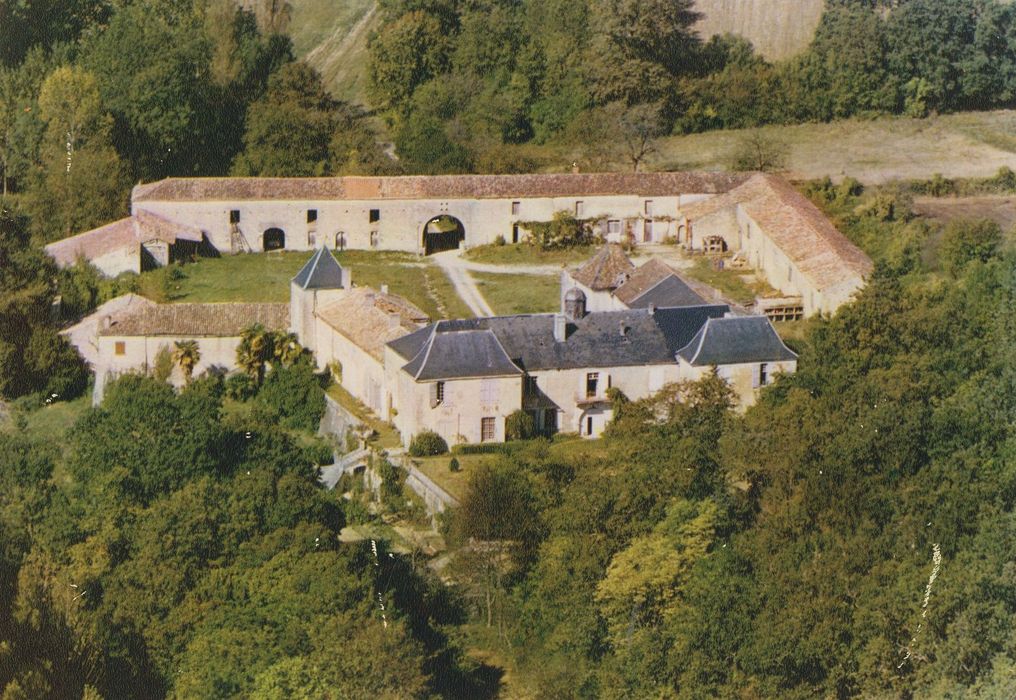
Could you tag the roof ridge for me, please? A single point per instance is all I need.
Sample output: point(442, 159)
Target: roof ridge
point(428, 346)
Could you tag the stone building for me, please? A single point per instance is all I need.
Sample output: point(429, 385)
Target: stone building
point(785, 238)
point(131, 340)
point(139, 242)
point(463, 378)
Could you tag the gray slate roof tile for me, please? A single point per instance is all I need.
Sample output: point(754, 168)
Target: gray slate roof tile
point(737, 340)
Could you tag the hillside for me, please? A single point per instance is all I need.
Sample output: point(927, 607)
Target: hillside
point(332, 37)
point(777, 28)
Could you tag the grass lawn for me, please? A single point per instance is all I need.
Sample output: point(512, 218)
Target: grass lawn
point(732, 283)
point(265, 277)
point(453, 482)
point(387, 435)
point(519, 294)
point(525, 254)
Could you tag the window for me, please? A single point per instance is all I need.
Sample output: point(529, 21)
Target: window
point(374, 215)
point(375, 239)
point(592, 379)
point(487, 430)
point(488, 391)
point(516, 206)
point(120, 348)
point(311, 216)
point(440, 392)
point(763, 374)
point(649, 207)
point(234, 216)
point(580, 208)
point(614, 226)
point(549, 421)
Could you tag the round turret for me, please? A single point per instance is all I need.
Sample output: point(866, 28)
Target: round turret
point(574, 303)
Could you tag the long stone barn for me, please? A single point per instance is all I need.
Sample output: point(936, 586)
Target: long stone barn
point(797, 250)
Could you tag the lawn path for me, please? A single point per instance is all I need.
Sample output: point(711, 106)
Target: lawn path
point(456, 269)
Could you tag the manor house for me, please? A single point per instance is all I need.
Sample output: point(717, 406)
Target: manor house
point(463, 378)
point(773, 227)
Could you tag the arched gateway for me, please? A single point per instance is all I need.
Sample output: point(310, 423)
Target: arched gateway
point(442, 233)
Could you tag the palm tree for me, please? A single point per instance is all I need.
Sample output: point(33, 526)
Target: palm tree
point(254, 350)
point(287, 348)
point(186, 356)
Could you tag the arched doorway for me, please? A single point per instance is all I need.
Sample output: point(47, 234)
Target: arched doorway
point(442, 233)
point(273, 239)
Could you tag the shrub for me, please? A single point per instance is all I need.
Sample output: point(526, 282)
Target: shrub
point(519, 426)
point(241, 387)
point(319, 452)
point(966, 241)
point(453, 465)
point(500, 240)
point(295, 393)
point(162, 368)
point(427, 444)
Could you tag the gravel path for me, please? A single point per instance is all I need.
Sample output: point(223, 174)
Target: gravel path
point(457, 270)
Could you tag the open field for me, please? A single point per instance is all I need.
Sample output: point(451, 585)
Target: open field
point(999, 208)
point(519, 294)
point(875, 151)
point(265, 277)
point(776, 28)
point(969, 144)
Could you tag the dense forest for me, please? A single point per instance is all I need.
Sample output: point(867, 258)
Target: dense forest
point(458, 80)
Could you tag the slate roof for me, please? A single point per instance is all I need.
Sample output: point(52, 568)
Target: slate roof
point(527, 342)
point(130, 231)
point(803, 233)
point(608, 269)
point(736, 340)
point(220, 320)
point(436, 186)
point(656, 283)
point(461, 354)
point(369, 319)
point(322, 271)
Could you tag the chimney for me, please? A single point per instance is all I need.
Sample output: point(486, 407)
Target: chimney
point(384, 288)
point(575, 168)
point(106, 323)
point(560, 328)
point(624, 330)
point(651, 308)
point(394, 320)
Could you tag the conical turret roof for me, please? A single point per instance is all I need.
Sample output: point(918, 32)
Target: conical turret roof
point(322, 271)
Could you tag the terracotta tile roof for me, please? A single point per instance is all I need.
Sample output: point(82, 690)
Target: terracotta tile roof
point(82, 334)
point(608, 269)
point(131, 231)
point(220, 320)
point(370, 319)
point(796, 226)
point(436, 186)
